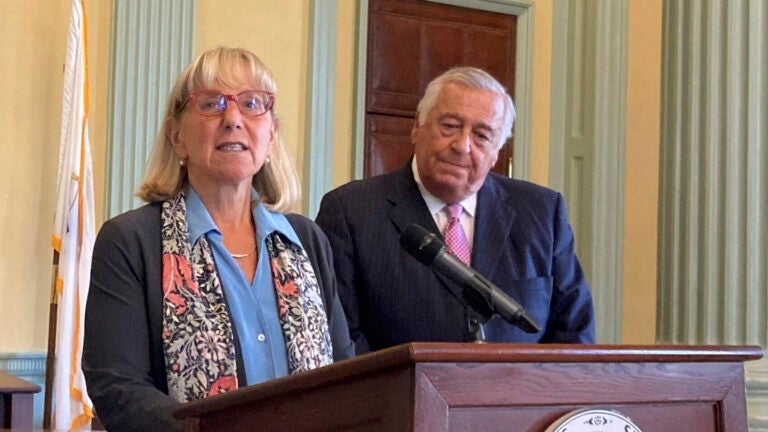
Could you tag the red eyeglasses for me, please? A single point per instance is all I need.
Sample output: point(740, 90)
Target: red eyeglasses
point(251, 103)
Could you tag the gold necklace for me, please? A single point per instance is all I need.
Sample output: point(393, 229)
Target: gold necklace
point(241, 256)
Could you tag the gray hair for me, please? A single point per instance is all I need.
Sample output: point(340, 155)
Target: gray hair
point(473, 78)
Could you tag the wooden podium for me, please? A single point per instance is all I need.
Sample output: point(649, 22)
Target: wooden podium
point(493, 387)
point(16, 402)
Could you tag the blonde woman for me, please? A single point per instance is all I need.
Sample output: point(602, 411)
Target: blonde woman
point(212, 285)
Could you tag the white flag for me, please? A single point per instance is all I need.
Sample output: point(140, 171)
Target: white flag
point(73, 234)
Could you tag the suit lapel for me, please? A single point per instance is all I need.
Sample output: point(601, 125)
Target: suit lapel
point(493, 221)
point(408, 207)
point(495, 216)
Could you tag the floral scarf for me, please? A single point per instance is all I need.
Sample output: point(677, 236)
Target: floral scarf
point(197, 332)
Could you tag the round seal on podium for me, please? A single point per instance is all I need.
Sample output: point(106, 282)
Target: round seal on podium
point(593, 420)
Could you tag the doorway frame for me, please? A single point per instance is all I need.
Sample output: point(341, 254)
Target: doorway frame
point(523, 9)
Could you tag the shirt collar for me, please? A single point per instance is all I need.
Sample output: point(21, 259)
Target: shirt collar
point(199, 221)
point(434, 203)
point(268, 221)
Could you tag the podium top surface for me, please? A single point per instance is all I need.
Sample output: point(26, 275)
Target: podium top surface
point(11, 384)
point(574, 353)
point(408, 355)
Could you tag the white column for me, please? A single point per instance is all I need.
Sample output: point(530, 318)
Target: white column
point(151, 43)
point(713, 197)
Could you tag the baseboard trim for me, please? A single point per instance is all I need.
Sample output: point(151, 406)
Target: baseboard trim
point(25, 363)
point(756, 376)
point(29, 366)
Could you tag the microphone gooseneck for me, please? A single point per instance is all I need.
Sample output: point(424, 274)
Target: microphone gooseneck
point(429, 250)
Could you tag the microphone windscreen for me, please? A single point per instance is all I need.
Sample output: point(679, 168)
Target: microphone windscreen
point(422, 244)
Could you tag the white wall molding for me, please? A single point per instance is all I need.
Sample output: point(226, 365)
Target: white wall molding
point(713, 223)
point(318, 152)
point(588, 140)
point(151, 43)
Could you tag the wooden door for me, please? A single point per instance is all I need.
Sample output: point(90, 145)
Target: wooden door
point(410, 42)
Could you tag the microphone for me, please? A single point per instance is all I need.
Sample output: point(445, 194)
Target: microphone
point(430, 251)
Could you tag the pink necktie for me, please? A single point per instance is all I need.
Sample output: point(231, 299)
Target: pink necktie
point(455, 239)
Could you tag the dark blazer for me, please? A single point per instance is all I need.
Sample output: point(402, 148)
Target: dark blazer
point(523, 243)
point(123, 356)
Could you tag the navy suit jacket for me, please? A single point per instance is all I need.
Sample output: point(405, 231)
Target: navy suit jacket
point(522, 243)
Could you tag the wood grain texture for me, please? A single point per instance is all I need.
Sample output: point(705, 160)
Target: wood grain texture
point(456, 387)
point(408, 44)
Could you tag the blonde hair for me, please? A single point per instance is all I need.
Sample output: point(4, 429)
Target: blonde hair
point(277, 182)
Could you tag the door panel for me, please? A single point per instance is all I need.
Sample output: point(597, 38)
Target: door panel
point(390, 142)
point(410, 42)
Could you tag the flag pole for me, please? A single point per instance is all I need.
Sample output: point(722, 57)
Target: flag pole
point(53, 313)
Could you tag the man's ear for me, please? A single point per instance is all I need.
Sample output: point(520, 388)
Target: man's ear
point(173, 132)
point(415, 128)
point(495, 158)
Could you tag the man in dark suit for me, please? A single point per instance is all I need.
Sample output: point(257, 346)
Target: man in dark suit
point(517, 232)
